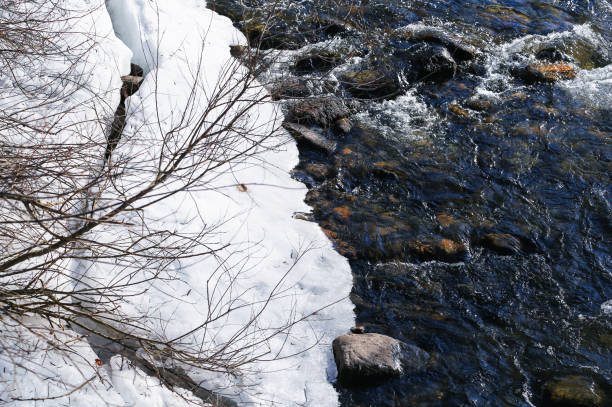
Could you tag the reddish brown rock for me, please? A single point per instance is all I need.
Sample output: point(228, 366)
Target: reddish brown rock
point(549, 72)
point(445, 250)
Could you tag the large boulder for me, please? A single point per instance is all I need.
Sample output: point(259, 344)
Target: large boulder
point(367, 358)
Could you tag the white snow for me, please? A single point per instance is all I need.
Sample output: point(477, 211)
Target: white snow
point(47, 368)
point(167, 38)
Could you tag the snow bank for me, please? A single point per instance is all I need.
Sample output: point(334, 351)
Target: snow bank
point(168, 37)
point(47, 368)
point(47, 361)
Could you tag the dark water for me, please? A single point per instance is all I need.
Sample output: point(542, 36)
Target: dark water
point(481, 156)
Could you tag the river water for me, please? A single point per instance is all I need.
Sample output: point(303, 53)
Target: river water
point(513, 176)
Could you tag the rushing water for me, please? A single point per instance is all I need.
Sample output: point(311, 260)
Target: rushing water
point(483, 154)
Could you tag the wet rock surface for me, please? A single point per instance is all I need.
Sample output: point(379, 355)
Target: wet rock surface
point(324, 112)
point(366, 358)
point(548, 72)
point(310, 136)
point(502, 243)
point(429, 63)
point(316, 63)
point(459, 49)
point(372, 84)
point(443, 250)
point(130, 85)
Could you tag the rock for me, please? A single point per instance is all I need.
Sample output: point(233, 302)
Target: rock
point(231, 9)
point(552, 55)
point(316, 63)
point(364, 357)
point(548, 72)
point(136, 70)
point(444, 250)
point(422, 61)
point(131, 84)
point(387, 170)
point(321, 112)
point(371, 84)
point(343, 212)
point(413, 358)
point(433, 63)
point(238, 51)
point(458, 110)
point(318, 171)
point(445, 220)
point(502, 243)
point(358, 329)
point(478, 103)
point(265, 34)
point(573, 391)
point(344, 125)
point(306, 134)
point(459, 49)
point(292, 88)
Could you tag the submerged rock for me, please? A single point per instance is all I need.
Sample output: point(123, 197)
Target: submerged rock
point(318, 171)
point(364, 358)
point(502, 243)
point(458, 110)
point(344, 125)
point(444, 250)
point(573, 391)
point(306, 134)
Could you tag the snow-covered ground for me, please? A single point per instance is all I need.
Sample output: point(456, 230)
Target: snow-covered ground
point(169, 38)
